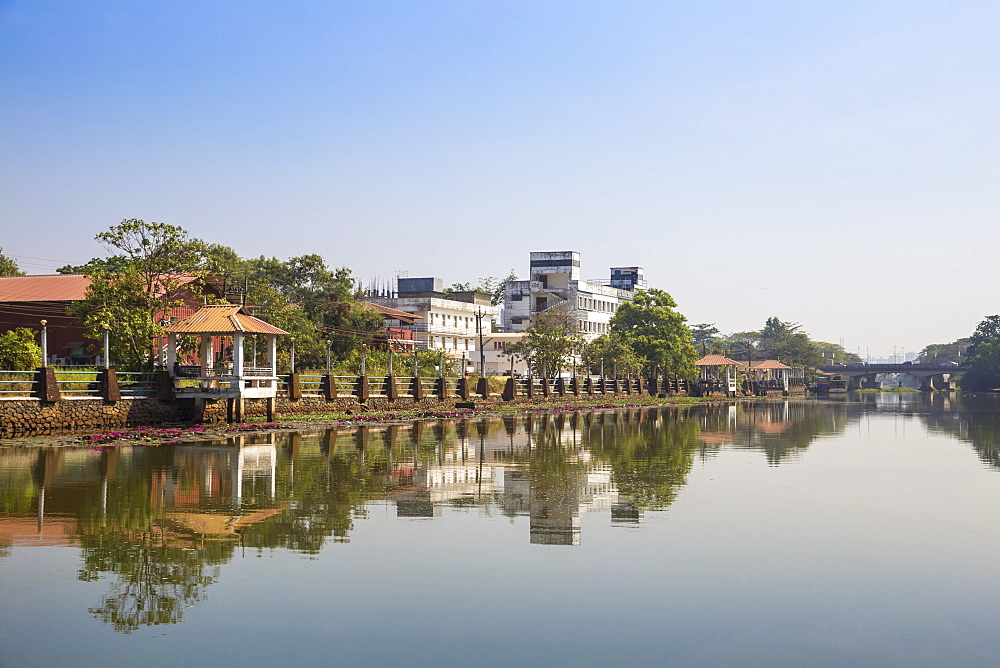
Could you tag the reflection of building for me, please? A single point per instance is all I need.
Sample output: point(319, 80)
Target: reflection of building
point(498, 467)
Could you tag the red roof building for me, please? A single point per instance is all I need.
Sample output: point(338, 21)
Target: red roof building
point(27, 300)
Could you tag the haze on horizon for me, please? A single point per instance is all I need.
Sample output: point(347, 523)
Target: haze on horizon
point(830, 163)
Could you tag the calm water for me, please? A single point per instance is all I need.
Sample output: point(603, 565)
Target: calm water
point(809, 532)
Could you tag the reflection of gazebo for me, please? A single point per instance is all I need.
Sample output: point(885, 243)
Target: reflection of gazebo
point(240, 381)
point(717, 373)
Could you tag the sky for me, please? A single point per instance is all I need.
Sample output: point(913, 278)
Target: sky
point(833, 164)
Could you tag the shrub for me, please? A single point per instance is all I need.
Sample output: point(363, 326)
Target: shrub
point(18, 350)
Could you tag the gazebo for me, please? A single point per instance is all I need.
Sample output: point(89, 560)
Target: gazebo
point(717, 373)
point(216, 323)
point(776, 375)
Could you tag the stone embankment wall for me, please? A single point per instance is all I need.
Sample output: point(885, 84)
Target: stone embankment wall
point(51, 411)
point(33, 416)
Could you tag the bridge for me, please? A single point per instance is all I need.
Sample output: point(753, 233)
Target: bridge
point(932, 376)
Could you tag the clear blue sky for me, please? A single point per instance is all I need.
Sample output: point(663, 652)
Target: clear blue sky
point(831, 163)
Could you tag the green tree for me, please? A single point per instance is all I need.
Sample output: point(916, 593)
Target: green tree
point(18, 350)
point(496, 287)
point(149, 272)
point(786, 342)
point(8, 267)
point(314, 303)
point(984, 357)
point(657, 333)
point(549, 344)
point(614, 353)
point(705, 335)
point(939, 353)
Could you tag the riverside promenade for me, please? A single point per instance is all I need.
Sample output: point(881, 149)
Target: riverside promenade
point(46, 402)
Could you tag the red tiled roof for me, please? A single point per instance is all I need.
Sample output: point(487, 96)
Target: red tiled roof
point(223, 319)
point(716, 360)
point(771, 364)
point(49, 288)
point(393, 313)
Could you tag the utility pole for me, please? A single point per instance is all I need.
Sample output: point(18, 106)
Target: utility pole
point(482, 345)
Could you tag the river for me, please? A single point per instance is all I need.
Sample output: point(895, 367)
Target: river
point(807, 532)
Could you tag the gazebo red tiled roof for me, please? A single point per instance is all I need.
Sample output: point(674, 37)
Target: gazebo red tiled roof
point(716, 360)
point(770, 364)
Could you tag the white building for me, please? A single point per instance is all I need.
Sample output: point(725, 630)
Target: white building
point(445, 323)
point(498, 363)
point(555, 283)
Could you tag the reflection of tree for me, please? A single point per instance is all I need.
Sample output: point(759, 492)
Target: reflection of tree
point(158, 573)
point(157, 578)
point(781, 429)
point(650, 452)
point(969, 418)
point(320, 502)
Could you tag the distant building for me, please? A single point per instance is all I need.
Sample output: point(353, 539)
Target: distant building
point(444, 322)
point(555, 283)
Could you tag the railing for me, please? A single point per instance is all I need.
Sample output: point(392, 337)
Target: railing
point(79, 383)
point(311, 384)
point(137, 383)
point(18, 383)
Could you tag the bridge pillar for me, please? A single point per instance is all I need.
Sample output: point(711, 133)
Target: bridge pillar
point(871, 384)
point(855, 382)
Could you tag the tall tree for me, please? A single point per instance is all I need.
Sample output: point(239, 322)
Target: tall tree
point(984, 357)
point(149, 272)
point(550, 342)
point(705, 335)
point(656, 331)
point(786, 342)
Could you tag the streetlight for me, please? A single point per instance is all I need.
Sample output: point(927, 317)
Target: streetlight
point(45, 343)
point(291, 355)
point(328, 357)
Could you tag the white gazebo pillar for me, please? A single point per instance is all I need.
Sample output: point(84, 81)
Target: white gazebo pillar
point(237, 361)
point(272, 354)
point(171, 351)
point(207, 354)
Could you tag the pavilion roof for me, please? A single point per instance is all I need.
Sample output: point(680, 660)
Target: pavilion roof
point(223, 319)
point(716, 360)
point(770, 364)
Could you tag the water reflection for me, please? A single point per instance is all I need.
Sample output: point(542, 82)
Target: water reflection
point(157, 523)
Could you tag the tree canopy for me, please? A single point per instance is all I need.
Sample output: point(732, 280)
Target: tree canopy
point(984, 357)
point(549, 344)
point(652, 327)
point(18, 350)
point(8, 267)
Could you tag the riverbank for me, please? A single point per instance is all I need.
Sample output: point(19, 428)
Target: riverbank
point(346, 419)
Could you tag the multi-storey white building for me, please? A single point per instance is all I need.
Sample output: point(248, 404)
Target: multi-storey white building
point(445, 323)
point(555, 283)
